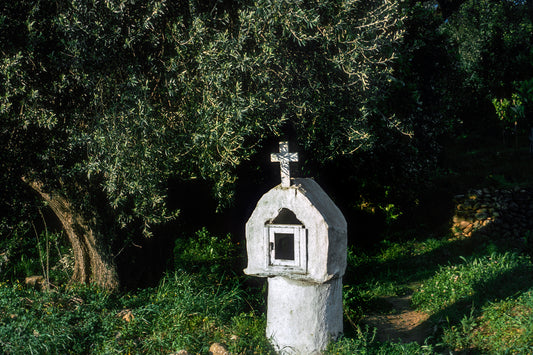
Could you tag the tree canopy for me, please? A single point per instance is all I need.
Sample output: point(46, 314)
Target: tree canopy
point(103, 101)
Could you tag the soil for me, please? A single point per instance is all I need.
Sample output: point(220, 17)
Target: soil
point(402, 324)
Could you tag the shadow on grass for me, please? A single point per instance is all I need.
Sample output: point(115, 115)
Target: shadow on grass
point(465, 311)
point(409, 267)
point(409, 264)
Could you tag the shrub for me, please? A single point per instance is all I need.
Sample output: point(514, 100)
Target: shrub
point(205, 252)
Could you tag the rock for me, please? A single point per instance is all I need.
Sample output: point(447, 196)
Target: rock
point(126, 315)
point(37, 282)
point(481, 215)
point(457, 219)
point(218, 349)
point(464, 224)
point(495, 213)
point(182, 352)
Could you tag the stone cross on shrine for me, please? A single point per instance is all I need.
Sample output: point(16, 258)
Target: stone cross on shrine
point(284, 158)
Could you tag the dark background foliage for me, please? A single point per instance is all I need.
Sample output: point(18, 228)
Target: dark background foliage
point(139, 112)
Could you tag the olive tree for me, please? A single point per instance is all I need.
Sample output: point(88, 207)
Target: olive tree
point(103, 101)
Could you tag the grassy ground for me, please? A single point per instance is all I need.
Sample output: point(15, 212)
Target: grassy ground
point(477, 292)
point(478, 295)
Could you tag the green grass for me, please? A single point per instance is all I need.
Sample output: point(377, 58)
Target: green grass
point(480, 299)
point(197, 304)
point(182, 313)
point(505, 326)
point(68, 321)
point(190, 309)
point(502, 327)
point(365, 343)
point(478, 293)
point(485, 304)
point(477, 279)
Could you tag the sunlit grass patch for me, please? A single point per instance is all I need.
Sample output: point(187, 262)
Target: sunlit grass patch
point(186, 312)
point(476, 278)
point(502, 327)
point(68, 320)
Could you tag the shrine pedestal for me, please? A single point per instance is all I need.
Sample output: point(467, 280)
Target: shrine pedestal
point(303, 318)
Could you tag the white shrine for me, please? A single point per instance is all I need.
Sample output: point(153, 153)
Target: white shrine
point(297, 237)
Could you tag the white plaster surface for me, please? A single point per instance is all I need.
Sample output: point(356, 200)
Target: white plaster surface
point(303, 318)
point(284, 158)
point(326, 232)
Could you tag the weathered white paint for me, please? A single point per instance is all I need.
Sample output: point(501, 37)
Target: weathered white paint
point(284, 158)
point(303, 318)
point(325, 227)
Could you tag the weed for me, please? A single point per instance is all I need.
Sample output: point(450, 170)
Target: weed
point(184, 312)
point(67, 321)
point(365, 343)
point(502, 327)
point(474, 279)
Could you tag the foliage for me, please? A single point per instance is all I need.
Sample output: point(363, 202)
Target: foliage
point(205, 251)
point(524, 89)
point(118, 95)
point(70, 321)
point(509, 111)
point(414, 114)
point(504, 326)
point(476, 290)
point(26, 252)
point(501, 327)
point(183, 312)
point(516, 111)
point(493, 40)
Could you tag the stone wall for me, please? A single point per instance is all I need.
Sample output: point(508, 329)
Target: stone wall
point(506, 213)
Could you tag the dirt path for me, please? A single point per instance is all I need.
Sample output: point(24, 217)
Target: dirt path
point(402, 324)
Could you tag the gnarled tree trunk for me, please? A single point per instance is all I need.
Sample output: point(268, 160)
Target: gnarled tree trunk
point(93, 262)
